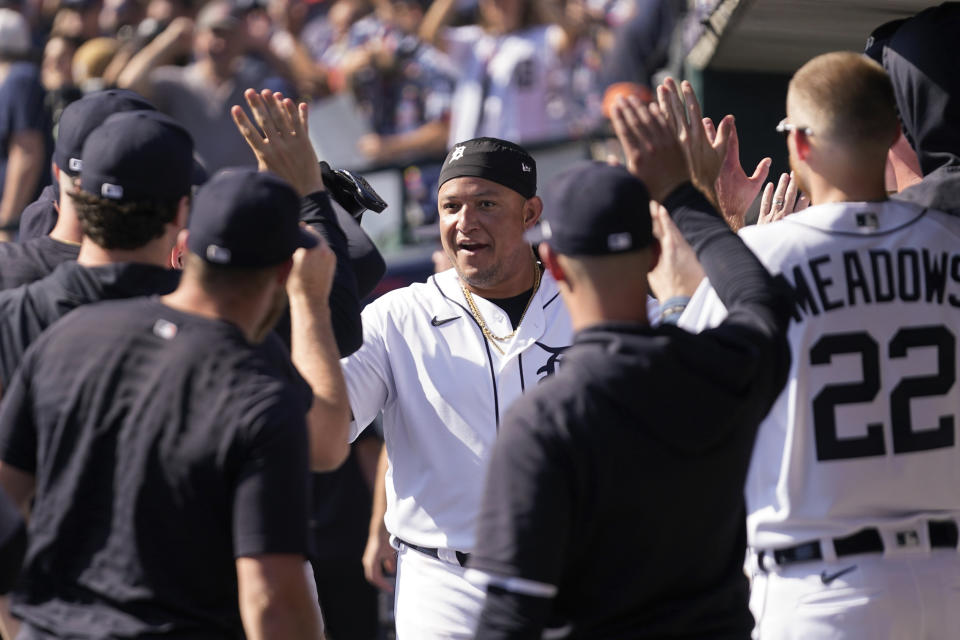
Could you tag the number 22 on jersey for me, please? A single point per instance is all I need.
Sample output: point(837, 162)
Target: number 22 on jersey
point(877, 362)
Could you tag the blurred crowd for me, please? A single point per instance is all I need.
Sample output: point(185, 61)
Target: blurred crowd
point(421, 74)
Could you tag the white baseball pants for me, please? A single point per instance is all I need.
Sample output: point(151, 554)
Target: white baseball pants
point(433, 600)
point(865, 596)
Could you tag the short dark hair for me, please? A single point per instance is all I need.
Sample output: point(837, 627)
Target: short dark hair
point(122, 225)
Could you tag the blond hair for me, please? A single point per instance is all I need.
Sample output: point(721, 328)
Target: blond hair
point(849, 98)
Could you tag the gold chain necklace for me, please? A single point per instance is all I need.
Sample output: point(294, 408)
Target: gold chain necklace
point(483, 325)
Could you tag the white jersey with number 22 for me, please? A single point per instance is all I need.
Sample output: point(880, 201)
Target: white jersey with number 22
point(865, 432)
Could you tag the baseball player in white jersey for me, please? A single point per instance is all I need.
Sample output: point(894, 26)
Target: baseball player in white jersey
point(443, 360)
point(853, 494)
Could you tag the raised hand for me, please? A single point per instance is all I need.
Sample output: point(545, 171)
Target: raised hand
point(735, 190)
point(282, 143)
point(678, 273)
point(786, 199)
point(704, 156)
point(650, 147)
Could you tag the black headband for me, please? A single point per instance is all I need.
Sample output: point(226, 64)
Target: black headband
point(496, 160)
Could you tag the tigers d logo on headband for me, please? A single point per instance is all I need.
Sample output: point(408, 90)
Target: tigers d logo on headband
point(457, 153)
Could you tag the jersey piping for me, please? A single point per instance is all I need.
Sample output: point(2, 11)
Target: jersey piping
point(486, 344)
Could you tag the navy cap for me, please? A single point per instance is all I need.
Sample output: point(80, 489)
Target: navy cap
point(246, 218)
point(594, 209)
point(493, 159)
point(880, 38)
point(85, 115)
point(138, 155)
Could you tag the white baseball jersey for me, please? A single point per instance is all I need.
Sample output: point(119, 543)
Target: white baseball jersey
point(511, 86)
point(443, 388)
point(865, 433)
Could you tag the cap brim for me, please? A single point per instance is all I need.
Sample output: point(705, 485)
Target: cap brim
point(306, 239)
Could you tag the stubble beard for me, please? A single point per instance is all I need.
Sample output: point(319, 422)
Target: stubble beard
point(480, 278)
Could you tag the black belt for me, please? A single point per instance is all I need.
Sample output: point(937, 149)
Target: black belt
point(435, 553)
point(943, 533)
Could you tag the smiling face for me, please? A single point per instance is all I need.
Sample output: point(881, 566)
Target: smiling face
point(482, 224)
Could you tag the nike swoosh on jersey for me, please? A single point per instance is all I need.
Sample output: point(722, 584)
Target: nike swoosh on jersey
point(438, 323)
point(827, 578)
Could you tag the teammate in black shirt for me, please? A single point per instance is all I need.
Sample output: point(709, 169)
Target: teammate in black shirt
point(614, 503)
point(36, 257)
point(167, 451)
point(132, 201)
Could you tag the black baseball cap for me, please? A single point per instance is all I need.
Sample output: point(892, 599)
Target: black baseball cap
point(85, 115)
point(594, 209)
point(138, 155)
point(246, 218)
point(880, 38)
point(493, 159)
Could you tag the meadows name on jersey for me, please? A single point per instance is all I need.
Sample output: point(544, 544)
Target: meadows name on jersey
point(873, 276)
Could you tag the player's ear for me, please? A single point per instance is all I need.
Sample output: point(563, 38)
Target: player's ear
point(802, 144)
point(550, 261)
point(532, 209)
point(179, 250)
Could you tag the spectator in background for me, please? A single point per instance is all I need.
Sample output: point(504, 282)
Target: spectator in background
point(331, 35)
point(90, 63)
point(135, 29)
point(641, 45)
point(288, 43)
point(37, 254)
point(583, 65)
point(404, 87)
point(513, 72)
point(402, 84)
point(57, 75)
point(119, 14)
point(78, 19)
point(258, 29)
point(24, 123)
point(200, 95)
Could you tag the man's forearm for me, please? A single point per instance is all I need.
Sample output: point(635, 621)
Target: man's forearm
point(283, 621)
point(314, 353)
point(734, 271)
point(275, 600)
point(434, 20)
point(344, 302)
point(425, 139)
point(162, 50)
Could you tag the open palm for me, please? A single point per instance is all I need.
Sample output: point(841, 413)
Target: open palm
point(735, 190)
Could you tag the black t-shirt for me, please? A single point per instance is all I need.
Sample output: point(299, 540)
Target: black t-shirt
point(40, 216)
point(23, 263)
point(13, 542)
point(614, 500)
point(26, 311)
point(164, 446)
